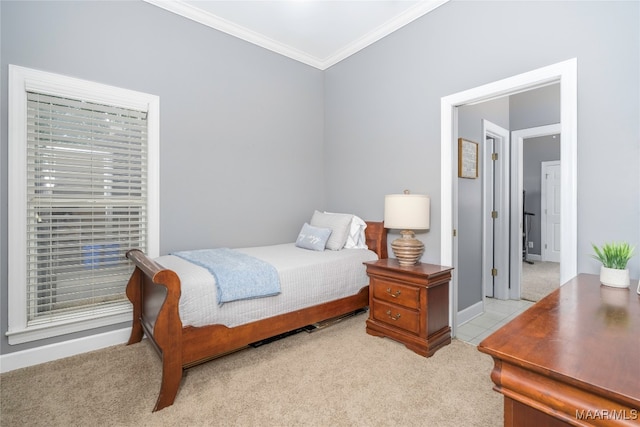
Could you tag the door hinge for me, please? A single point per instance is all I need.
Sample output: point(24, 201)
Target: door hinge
point(494, 272)
point(455, 232)
point(494, 214)
point(494, 156)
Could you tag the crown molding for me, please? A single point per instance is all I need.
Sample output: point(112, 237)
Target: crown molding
point(419, 9)
point(188, 11)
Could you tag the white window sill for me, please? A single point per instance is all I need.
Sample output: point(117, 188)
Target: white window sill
point(93, 319)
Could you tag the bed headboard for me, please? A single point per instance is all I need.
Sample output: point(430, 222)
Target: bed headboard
point(376, 236)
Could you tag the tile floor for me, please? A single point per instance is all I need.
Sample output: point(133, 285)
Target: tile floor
point(497, 314)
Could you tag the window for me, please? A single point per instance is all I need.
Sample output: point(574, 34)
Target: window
point(82, 191)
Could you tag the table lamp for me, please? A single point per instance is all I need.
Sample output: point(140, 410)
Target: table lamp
point(407, 212)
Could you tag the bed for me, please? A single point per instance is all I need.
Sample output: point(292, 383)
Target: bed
point(155, 292)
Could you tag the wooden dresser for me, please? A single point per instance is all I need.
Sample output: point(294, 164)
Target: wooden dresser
point(409, 304)
point(571, 359)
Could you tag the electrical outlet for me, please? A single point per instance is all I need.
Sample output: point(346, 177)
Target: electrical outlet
point(530, 245)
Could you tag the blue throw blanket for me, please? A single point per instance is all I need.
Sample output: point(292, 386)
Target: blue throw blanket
point(238, 276)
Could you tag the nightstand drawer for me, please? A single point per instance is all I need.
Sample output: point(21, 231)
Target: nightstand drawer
point(386, 290)
point(399, 317)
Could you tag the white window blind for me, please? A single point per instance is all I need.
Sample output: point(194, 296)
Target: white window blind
point(83, 189)
point(86, 204)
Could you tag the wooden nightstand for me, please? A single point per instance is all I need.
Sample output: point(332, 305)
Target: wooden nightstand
point(409, 304)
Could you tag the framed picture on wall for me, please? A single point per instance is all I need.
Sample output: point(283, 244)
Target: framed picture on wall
point(467, 158)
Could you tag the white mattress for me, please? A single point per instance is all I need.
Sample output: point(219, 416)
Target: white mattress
point(307, 278)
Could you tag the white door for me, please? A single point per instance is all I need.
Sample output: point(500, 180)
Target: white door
point(550, 209)
point(495, 239)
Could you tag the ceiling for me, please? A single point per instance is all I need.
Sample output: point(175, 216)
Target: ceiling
point(319, 33)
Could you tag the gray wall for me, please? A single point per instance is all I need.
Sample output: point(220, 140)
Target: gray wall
point(241, 128)
point(536, 151)
point(383, 104)
point(533, 108)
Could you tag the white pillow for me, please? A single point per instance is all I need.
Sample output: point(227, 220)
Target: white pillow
point(356, 238)
point(339, 225)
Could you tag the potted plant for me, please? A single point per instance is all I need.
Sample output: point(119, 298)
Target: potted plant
point(614, 258)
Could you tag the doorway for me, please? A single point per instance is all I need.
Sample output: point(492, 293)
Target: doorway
point(566, 74)
point(541, 274)
point(518, 190)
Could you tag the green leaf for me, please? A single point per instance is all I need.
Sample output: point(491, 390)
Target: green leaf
point(613, 255)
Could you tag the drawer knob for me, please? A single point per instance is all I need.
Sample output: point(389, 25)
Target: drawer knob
point(396, 317)
point(395, 294)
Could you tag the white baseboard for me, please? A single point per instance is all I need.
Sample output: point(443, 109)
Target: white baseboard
point(470, 312)
point(534, 257)
point(48, 353)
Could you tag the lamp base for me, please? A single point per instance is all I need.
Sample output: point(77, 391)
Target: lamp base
point(407, 248)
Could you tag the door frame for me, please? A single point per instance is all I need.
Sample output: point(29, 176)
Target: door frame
point(564, 72)
point(501, 137)
point(517, 165)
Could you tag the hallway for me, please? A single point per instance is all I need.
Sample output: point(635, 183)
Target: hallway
point(497, 314)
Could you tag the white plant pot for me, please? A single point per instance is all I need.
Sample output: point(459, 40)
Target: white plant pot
point(614, 277)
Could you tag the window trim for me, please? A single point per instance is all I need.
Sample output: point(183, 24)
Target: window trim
point(22, 80)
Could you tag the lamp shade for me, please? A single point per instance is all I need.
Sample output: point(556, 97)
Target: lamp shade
point(406, 211)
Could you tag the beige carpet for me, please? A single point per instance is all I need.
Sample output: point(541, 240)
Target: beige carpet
point(539, 280)
point(338, 376)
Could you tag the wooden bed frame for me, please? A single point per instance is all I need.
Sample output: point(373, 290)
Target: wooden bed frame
point(155, 293)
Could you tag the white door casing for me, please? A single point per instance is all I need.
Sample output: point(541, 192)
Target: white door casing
point(495, 197)
point(488, 283)
point(550, 211)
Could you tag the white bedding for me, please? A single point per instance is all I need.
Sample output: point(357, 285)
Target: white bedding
point(307, 278)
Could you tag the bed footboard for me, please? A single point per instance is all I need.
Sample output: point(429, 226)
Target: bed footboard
point(155, 294)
